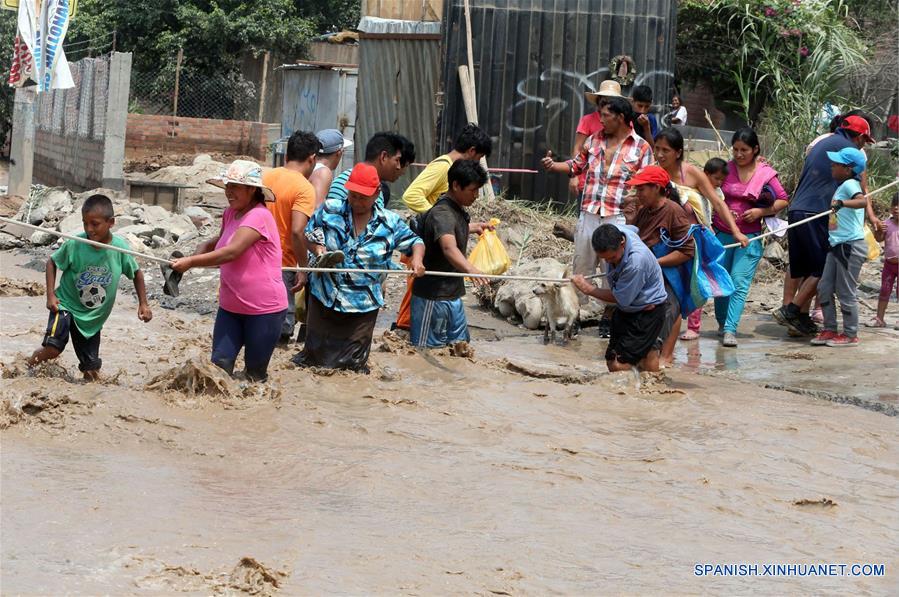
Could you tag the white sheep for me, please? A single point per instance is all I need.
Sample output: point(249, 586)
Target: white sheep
point(561, 308)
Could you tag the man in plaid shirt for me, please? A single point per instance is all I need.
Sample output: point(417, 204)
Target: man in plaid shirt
point(609, 158)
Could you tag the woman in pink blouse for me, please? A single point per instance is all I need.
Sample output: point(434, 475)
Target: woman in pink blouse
point(252, 296)
point(752, 192)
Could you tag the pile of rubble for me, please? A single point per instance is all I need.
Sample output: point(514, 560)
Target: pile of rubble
point(142, 226)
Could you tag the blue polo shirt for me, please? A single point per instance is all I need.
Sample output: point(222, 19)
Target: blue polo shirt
point(637, 280)
point(816, 185)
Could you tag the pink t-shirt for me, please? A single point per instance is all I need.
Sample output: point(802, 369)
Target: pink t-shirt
point(589, 125)
point(738, 199)
point(252, 284)
point(891, 239)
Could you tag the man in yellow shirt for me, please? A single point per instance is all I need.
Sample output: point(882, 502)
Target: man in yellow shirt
point(473, 143)
point(293, 206)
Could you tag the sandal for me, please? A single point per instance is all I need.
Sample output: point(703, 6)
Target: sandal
point(688, 335)
point(876, 322)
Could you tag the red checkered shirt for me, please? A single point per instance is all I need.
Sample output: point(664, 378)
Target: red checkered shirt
point(604, 189)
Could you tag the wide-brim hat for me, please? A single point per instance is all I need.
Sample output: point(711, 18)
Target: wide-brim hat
point(243, 172)
point(608, 88)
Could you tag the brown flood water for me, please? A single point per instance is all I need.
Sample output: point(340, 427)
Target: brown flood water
point(433, 475)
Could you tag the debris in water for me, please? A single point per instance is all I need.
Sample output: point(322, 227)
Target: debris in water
point(198, 377)
point(48, 369)
point(10, 287)
point(824, 502)
point(252, 577)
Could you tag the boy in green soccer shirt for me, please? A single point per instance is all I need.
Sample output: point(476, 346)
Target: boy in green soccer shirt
point(90, 277)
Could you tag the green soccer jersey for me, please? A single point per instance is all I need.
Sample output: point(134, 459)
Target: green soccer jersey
point(90, 278)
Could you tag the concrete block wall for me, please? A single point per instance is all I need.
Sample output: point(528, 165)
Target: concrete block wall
point(73, 162)
point(149, 134)
point(79, 137)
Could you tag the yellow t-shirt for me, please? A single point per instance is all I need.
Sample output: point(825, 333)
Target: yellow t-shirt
point(292, 193)
point(428, 186)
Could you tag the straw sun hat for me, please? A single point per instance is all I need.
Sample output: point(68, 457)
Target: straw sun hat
point(607, 88)
point(243, 172)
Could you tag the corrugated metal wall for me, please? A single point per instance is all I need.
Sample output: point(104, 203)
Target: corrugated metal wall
point(317, 98)
point(398, 79)
point(533, 61)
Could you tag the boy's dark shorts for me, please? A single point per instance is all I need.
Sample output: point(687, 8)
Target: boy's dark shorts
point(807, 245)
point(634, 335)
point(59, 327)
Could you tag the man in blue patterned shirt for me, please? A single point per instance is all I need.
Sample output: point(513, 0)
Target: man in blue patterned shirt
point(389, 153)
point(343, 307)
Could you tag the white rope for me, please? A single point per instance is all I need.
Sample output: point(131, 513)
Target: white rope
point(88, 241)
point(405, 272)
point(394, 272)
point(808, 219)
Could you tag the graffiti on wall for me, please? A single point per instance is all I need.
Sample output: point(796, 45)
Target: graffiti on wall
point(571, 84)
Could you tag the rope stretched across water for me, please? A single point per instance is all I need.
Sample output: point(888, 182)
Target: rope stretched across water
point(808, 219)
point(389, 272)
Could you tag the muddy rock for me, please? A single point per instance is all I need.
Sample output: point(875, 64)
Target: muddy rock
point(20, 288)
point(123, 221)
point(199, 216)
point(37, 216)
point(42, 238)
point(139, 230)
point(71, 224)
point(8, 241)
point(48, 199)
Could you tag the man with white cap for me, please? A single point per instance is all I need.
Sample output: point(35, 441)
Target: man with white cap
point(328, 159)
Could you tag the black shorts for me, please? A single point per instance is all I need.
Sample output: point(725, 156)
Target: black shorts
point(634, 335)
point(807, 245)
point(59, 327)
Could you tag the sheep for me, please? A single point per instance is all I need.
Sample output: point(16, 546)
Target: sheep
point(561, 308)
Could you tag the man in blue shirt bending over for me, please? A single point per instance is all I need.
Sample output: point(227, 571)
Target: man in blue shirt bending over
point(637, 289)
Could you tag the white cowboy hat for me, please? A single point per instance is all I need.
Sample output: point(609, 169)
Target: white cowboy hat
point(608, 88)
point(246, 173)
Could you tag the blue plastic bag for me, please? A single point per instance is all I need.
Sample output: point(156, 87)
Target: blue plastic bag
point(703, 277)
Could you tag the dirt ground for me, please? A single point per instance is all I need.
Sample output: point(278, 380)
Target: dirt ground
point(518, 469)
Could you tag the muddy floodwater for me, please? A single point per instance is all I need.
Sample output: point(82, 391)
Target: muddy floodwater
point(523, 469)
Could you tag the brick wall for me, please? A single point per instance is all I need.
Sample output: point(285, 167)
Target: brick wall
point(147, 134)
point(79, 132)
point(73, 162)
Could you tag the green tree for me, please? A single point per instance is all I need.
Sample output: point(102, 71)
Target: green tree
point(331, 15)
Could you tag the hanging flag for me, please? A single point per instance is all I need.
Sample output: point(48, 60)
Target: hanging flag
point(38, 54)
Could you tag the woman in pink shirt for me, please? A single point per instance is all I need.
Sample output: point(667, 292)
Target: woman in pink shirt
point(252, 296)
point(751, 192)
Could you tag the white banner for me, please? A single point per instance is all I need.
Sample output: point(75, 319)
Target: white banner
point(38, 53)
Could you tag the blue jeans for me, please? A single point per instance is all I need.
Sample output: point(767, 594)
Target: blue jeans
point(741, 264)
point(256, 334)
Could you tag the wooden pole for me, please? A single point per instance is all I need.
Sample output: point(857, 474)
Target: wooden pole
point(177, 81)
point(264, 81)
point(470, 97)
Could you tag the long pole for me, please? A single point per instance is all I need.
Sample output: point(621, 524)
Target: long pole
point(263, 85)
point(471, 89)
point(808, 219)
point(177, 81)
point(320, 270)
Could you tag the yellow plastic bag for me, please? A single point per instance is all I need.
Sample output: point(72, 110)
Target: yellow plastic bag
point(489, 255)
point(873, 245)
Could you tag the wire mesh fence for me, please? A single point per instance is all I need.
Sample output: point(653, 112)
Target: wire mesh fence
point(226, 96)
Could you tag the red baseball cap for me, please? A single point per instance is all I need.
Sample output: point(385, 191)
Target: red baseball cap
point(364, 180)
point(650, 175)
point(859, 125)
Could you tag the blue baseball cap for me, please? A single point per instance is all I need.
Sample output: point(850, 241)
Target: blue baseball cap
point(332, 141)
point(849, 156)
